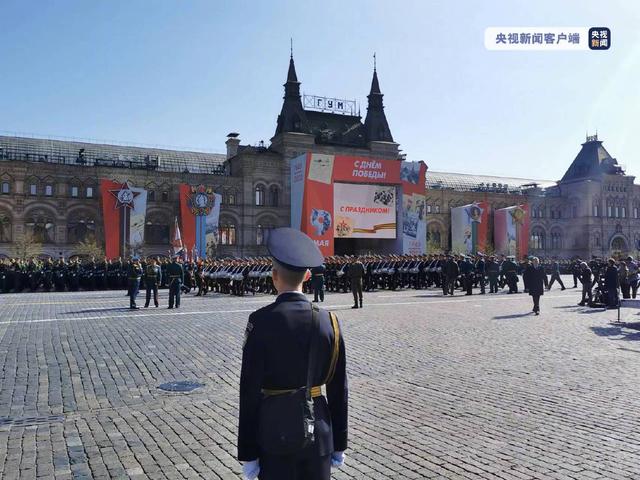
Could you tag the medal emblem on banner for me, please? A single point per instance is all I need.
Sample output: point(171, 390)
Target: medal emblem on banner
point(201, 200)
point(124, 196)
point(518, 215)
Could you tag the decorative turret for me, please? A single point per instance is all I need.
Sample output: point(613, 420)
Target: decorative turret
point(292, 117)
point(375, 125)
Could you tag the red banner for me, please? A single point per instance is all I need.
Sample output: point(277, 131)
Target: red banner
point(187, 220)
point(365, 170)
point(317, 210)
point(111, 218)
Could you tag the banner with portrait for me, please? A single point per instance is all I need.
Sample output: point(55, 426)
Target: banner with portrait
point(469, 228)
point(511, 231)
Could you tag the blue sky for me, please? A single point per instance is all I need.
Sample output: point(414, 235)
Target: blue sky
point(186, 73)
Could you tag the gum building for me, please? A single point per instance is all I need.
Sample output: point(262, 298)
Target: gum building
point(49, 188)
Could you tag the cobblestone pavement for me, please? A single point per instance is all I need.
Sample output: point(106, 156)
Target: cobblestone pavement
point(441, 387)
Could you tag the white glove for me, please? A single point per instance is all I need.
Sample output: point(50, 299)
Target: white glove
point(337, 459)
point(250, 470)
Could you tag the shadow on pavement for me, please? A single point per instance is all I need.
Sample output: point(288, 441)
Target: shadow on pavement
point(98, 310)
point(617, 331)
point(515, 315)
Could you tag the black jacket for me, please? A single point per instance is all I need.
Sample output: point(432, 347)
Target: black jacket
point(536, 279)
point(275, 356)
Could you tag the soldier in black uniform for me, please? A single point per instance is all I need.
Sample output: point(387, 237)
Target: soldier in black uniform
point(176, 277)
point(493, 270)
point(134, 274)
point(317, 280)
point(451, 272)
point(291, 349)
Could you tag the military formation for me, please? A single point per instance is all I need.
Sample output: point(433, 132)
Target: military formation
point(450, 273)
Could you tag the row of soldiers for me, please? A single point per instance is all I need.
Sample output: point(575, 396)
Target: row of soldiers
point(241, 276)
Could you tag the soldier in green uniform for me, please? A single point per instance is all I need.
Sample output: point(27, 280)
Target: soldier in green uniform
point(356, 273)
point(175, 272)
point(152, 278)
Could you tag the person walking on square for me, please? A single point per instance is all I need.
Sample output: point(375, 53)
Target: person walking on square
point(176, 277)
point(575, 271)
point(134, 274)
point(555, 276)
point(287, 428)
point(152, 278)
point(586, 278)
point(536, 280)
point(356, 273)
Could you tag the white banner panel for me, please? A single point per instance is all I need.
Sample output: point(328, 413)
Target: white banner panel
point(364, 211)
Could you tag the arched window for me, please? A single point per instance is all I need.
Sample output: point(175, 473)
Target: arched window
point(157, 230)
point(228, 233)
point(231, 197)
point(556, 239)
point(5, 227)
point(537, 240)
point(40, 227)
point(618, 245)
point(6, 187)
point(81, 228)
point(274, 195)
point(259, 194)
point(596, 240)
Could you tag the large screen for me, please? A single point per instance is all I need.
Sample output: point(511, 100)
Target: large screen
point(364, 211)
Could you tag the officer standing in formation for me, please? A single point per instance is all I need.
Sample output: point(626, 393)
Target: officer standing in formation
point(356, 273)
point(152, 278)
point(134, 276)
point(289, 430)
point(175, 273)
point(317, 281)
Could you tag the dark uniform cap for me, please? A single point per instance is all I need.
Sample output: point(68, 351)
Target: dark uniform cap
point(293, 249)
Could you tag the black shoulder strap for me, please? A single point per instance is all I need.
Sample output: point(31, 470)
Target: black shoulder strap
point(313, 348)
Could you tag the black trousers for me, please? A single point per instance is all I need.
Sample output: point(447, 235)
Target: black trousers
point(536, 303)
point(493, 284)
point(356, 289)
point(555, 276)
point(151, 287)
point(275, 467)
point(174, 293)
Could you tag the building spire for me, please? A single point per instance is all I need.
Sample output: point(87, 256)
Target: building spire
point(292, 117)
point(375, 124)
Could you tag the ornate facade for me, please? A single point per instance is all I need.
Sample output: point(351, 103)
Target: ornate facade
point(49, 189)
